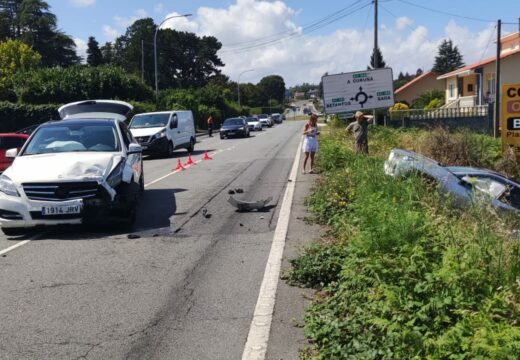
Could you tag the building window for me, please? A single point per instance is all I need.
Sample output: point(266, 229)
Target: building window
point(451, 89)
point(470, 87)
point(491, 85)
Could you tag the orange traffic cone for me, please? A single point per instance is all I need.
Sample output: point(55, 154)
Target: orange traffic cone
point(206, 156)
point(190, 161)
point(179, 165)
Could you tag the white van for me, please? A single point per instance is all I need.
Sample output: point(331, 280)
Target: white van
point(160, 133)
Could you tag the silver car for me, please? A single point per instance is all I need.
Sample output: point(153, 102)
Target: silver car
point(464, 184)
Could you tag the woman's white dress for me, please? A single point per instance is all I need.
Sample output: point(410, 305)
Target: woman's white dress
point(310, 144)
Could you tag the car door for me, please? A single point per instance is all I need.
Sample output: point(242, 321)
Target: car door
point(134, 162)
point(174, 130)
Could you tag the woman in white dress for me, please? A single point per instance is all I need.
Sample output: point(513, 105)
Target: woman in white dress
point(310, 144)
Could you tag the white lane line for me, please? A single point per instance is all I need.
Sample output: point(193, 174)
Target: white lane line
point(258, 337)
point(21, 243)
point(177, 171)
point(5, 251)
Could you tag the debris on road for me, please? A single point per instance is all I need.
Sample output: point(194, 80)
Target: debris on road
point(133, 236)
point(239, 191)
point(205, 213)
point(242, 205)
point(231, 192)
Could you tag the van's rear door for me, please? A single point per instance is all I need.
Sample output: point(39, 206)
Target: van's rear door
point(96, 109)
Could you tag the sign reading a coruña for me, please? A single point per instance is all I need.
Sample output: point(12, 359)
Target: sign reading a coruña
point(510, 117)
point(361, 90)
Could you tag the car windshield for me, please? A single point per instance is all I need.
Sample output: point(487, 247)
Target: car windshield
point(73, 138)
point(251, 119)
point(233, 122)
point(149, 120)
point(262, 116)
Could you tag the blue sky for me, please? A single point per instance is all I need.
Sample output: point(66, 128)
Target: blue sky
point(408, 34)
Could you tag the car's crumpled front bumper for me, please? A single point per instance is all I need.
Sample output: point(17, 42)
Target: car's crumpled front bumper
point(24, 212)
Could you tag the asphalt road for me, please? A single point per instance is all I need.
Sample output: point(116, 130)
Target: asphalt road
point(184, 287)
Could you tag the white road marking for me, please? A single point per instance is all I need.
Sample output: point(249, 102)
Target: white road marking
point(258, 337)
point(21, 243)
point(176, 171)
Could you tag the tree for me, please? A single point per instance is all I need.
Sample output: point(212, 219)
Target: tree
point(15, 57)
point(381, 62)
point(448, 58)
point(426, 98)
point(271, 87)
point(94, 55)
point(32, 22)
point(419, 72)
point(107, 53)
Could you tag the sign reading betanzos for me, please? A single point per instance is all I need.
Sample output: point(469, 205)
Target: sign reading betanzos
point(360, 90)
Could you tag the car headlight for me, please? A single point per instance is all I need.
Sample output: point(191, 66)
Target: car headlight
point(7, 186)
point(159, 135)
point(241, 128)
point(116, 176)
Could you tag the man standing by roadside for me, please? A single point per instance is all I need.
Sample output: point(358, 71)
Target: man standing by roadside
point(210, 126)
point(360, 130)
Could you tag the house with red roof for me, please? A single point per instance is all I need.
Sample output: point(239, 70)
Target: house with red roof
point(474, 84)
point(410, 91)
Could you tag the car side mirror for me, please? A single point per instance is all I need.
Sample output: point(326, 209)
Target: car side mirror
point(11, 153)
point(134, 149)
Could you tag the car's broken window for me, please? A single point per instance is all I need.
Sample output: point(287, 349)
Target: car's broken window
point(487, 186)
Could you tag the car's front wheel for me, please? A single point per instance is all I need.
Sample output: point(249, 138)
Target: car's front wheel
point(191, 147)
point(169, 152)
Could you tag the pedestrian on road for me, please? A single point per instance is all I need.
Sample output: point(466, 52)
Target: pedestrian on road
point(360, 130)
point(210, 126)
point(310, 144)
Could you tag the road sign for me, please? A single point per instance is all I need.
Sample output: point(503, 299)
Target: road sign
point(360, 90)
point(510, 117)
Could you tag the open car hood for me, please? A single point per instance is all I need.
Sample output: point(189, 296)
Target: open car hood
point(96, 109)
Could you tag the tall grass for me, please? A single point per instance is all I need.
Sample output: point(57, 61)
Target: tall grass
point(407, 276)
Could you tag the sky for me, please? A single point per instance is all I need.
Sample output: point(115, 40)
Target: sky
point(301, 40)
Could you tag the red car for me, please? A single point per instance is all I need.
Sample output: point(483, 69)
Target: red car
point(10, 141)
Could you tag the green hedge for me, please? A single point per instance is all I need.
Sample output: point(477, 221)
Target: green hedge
point(14, 117)
point(64, 85)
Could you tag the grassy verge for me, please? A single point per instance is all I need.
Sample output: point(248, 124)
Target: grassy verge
point(403, 275)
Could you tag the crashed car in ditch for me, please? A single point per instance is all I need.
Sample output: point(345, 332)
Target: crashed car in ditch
point(463, 184)
point(84, 167)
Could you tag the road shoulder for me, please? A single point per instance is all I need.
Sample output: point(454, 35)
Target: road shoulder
point(286, 336)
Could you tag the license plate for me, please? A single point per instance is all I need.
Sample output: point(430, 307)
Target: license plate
point(61, 210)
point(231, 133)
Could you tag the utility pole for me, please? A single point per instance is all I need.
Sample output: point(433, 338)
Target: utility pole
point(497, 80)
point(376, 53)
point(142, 60)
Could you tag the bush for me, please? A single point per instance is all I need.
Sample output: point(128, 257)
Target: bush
point(434, 104)
point(14, 117)
point(75, 83)
point(397, 112)
point(407, 277)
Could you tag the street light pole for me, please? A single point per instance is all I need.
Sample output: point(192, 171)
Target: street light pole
point(155, 51)
point(238, 83)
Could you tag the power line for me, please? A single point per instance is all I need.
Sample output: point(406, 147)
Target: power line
point(451, 14)
point(295, 35)
point(290, 32)
point(489, 42)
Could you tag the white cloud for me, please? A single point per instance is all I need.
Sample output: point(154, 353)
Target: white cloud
point(180, 23)
point(82, 3)
point(301, 57)
point(81, 48)
point(124, 22)
point(158, 8)
point(110, 33)
point(402, 22)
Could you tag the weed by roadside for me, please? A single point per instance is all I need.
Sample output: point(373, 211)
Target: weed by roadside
point(407, 276)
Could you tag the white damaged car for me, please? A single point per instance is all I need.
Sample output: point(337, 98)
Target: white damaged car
point(85, 167)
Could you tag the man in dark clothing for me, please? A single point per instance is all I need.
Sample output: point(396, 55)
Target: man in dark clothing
point(360, 130)
point(210, 126)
